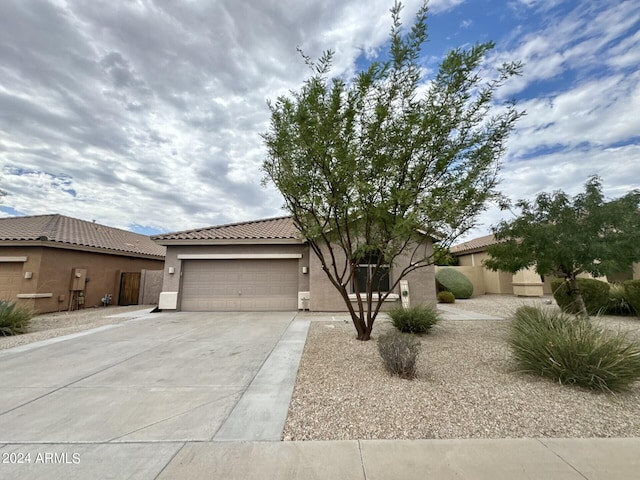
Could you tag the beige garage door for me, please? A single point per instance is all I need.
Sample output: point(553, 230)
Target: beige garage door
point(239, 285)
point(10, 280)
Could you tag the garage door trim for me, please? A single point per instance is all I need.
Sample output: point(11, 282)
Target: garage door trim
point(238, 256)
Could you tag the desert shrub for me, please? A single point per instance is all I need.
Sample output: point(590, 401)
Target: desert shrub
point(632, 294)
point(418, 319)
point(618, 303)
point(451, 280)
point(399, 351)
point(572, 350)
point(594, 293)
point(446, 297)
point(14, 320)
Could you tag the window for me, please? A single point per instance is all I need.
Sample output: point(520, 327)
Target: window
point(365, 271)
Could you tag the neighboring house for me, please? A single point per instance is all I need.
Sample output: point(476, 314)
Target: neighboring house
point(53, 262)
point(259, 265)
point(471, 255)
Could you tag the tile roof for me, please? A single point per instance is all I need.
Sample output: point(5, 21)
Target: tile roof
point(72, 231)
point(280, 228)
point(473, 245)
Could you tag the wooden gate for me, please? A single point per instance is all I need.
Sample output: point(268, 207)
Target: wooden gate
point(129, 288)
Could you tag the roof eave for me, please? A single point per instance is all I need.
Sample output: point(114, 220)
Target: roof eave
point(468, 251)
point(231, 241)
point(83, 248)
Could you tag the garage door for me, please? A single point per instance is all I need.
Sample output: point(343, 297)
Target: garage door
point(239, 285)
point(10, 280)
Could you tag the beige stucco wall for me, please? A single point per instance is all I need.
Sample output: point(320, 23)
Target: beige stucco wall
point(14, 282)
point(51, 274)
point(474, 274)
point(525, 283)
point(326, 298)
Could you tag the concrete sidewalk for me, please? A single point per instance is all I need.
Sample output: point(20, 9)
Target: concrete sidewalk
point(491, 459)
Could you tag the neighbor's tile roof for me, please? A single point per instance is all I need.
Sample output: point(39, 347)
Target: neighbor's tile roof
point(474, 245)
point(267, 229)
point(66, 230)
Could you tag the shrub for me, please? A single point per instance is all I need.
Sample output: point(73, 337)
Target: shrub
point(594, 293)
point(451, 280)
point(618, 303)
point(632, 294)
point(14, 320)
point(446, 297)
point(399, 352)
point(572, 350)
point(418, 319)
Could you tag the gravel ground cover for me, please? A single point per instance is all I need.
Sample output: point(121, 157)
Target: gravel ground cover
point(467, 387)
point(49, 325)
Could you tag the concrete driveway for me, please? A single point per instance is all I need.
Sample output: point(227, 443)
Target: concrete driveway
point(169, 377)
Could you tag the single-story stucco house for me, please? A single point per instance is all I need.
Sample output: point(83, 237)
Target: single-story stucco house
point(259, 265)
point(472, 253)
point(53, 262)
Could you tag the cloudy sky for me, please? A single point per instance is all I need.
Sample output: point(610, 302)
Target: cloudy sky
point(147, 114)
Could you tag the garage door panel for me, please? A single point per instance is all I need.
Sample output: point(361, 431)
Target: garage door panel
point(239, 285)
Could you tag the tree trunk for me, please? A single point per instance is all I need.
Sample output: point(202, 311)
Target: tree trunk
point(575, 293)
point(363, 330)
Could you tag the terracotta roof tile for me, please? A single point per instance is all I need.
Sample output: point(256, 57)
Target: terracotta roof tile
point(475, 245)
point(66, 230)
point(267, 229)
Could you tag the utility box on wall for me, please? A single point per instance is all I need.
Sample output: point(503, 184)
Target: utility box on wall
point(78, 279)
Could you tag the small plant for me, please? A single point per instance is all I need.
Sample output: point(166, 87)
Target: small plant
point(572, 350)
point(14, 320)
point(418, 319)
point(446, 297)
point(399, 352)
point(453, 281)
point(632, 294)
point(618, 303)
point(594, 293)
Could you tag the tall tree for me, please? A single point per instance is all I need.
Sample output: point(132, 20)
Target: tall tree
point(369, 168)
point(565, 237)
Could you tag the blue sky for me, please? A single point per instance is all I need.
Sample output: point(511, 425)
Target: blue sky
point(147, 115)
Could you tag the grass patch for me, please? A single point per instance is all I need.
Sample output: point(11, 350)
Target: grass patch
point(573, 351)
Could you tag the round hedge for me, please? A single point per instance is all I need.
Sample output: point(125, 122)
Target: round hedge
point(632, 293)
point(446, 297)
point(595, 294)
point(451, 280)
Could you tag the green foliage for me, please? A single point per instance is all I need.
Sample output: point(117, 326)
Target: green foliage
point(632, 291)
point(572, 350)
point(399, 351)
point(418, 319)
point(565, 237)
point(618, 303)
point(595, 295)
point(442, 257)
point(453, 281)
point(14, 320)
point(446, 297)
point(381, 161)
